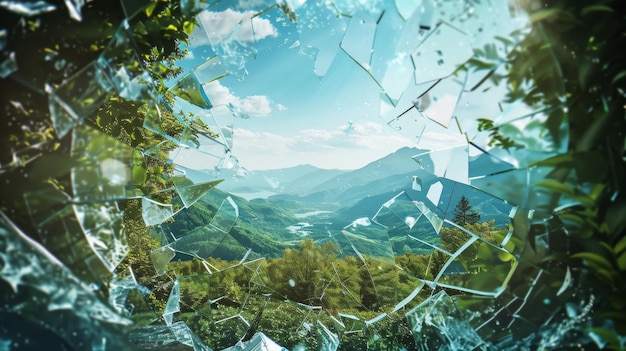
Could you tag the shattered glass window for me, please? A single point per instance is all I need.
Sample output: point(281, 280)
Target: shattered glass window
point(312, 175)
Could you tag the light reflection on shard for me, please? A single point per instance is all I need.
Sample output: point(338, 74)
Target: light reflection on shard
point(173, 304)
point(314, 19)
point(107, 168)
point(103, 228)
point(439, 102)
point(28, 9)
point(359, 38)
point(435, 60)
point(28, 268)
point(8, 66)
point(439, 324)
point(434, 193)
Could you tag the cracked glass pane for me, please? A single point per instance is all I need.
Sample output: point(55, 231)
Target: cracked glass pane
point(108, 169)
point(298, 175)
point(448, 57)
point(438, 323)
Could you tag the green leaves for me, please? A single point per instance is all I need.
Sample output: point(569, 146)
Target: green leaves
point(596, 8)
point(497, 139)
point(542, 15)
point(556, 186)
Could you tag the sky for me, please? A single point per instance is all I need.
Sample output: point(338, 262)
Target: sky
point(302, 111)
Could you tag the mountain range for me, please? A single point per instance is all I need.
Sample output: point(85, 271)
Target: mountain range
point(309, 201)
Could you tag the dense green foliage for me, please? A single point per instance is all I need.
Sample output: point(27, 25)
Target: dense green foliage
point(573, 61)
point(317, 276)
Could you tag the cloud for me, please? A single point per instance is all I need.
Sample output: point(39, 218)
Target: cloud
point(262, 142)
point(228, 25)
point(254, 105)
point(348, 146)
point(366, 135)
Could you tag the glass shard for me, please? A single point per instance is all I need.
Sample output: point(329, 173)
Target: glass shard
point(438, 323)
point(173, 304)
point(121, 66)
point(110, 170)
point(8, 66)
point(435, 60)
point(315, 19)
point(77, 98)
point(154, 212)
point(27, 8)
point(359, 38)
point(189, 191)
point(190, 89)
point(102, 226)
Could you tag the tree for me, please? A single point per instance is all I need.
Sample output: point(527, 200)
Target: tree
point(367, 291)
point(464, 214)
point(573, 62)
point(302, 275)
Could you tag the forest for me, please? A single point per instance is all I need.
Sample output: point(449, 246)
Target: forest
point(223, 301)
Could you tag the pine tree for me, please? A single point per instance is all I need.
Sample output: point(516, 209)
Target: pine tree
point(464, 214)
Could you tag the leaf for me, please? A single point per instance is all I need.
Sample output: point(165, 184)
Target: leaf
point(555, 186)
point(150, 9)
point(619, 76)
point(605, 335)
point(553, 161)
point(620, 246)
point(594, 259)
point(188, 27)
point(621, 261)
point(543, 14)
point(596, 8)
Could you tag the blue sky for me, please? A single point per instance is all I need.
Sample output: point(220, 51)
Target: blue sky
point(330, 119)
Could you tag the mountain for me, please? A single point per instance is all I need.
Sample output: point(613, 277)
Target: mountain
point(269, 225)
point(489, 207)
point(293, 180)
point(392, 171)
point(309, 181)
point(395, 163)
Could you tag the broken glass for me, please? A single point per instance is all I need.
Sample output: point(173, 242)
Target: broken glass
point(229, 273)
point(315, 19)
point(439, 324)
point(443, 59)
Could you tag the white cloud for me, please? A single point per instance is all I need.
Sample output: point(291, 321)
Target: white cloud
point(223, 27)
point(349, 146)
point(254, 105)
point(262, 142)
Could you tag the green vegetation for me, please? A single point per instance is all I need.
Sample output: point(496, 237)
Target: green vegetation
point(312, 275)
point(573, 62)
point(464, 214)
point(268, 291)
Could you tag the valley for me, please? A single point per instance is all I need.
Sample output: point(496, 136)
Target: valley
point(306, 202)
